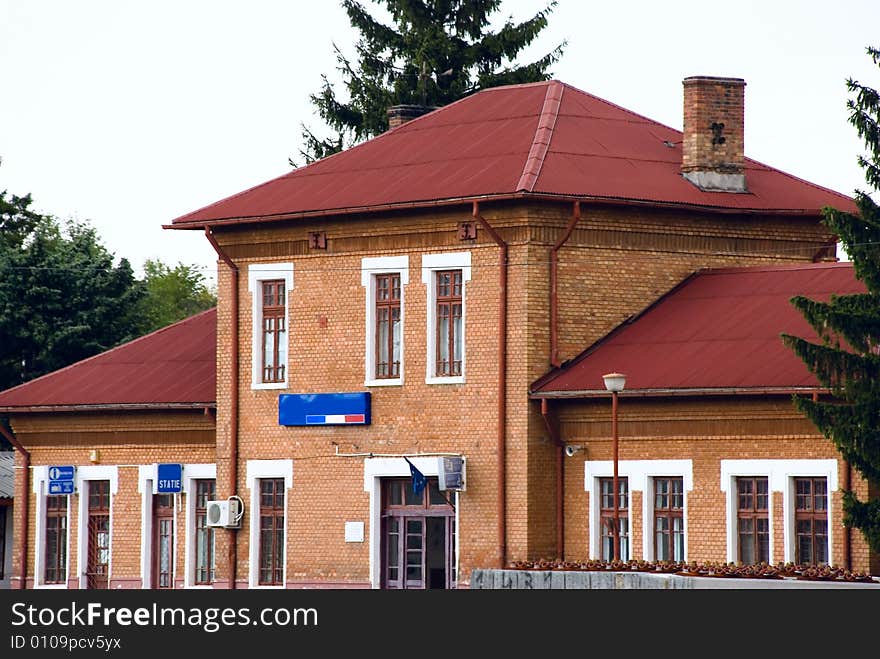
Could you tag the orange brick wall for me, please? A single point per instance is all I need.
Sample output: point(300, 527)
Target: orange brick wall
point(706, 432)
point(125, 440)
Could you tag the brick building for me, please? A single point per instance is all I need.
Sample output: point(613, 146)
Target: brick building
point(113, 418)
point(394, 304)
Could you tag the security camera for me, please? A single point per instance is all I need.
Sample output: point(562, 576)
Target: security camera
point(571, 449)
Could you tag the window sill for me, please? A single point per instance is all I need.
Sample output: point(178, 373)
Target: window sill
point(384, 382)
point(262, 386)
point(50, 586)
point(457, 379)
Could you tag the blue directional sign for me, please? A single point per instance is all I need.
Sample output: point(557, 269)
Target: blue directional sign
point(61, 473)
point(169, 478)
point(60, 487)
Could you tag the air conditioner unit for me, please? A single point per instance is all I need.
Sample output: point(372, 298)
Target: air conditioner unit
point(224, 513)
point(451, 472)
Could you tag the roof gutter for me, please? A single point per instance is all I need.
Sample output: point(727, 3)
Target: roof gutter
point(693, 391)
point(232, 483)
point(516, 196)
point(12, 409)
point(22, 530)
point(502, 384)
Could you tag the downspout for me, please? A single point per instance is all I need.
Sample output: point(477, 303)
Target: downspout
point(560, 475)
point(23, 535)
point(554, 266)
point(233, 408)
point(502, 385)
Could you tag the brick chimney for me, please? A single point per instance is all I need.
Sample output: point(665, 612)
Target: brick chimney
point(712, 152)
point(400, 114)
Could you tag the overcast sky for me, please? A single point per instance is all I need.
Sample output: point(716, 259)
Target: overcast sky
point(129, 114)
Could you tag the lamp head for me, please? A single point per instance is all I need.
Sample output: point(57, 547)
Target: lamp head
point(614, 382)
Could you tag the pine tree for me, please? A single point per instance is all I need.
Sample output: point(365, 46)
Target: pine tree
point(848, 360)
point(437, 52)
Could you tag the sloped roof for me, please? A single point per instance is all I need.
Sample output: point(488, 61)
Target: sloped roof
point(544, 138)
point(718, 330)
point(171, 367)
point(7, 475)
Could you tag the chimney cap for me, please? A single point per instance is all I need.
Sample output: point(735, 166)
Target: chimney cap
point(729, 81)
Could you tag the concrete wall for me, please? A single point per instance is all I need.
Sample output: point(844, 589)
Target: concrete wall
point(574, 580)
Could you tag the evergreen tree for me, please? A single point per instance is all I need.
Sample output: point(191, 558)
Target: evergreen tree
point(437, 52)
point(848, 360)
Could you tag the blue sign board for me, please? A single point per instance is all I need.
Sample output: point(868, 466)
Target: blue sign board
point(344, 409)
point(169, 478)
point(61, 473)
point(60, 487)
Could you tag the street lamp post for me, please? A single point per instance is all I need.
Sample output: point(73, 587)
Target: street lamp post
point(615, 382)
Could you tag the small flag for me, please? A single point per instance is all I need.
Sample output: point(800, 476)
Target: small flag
point(418, 478)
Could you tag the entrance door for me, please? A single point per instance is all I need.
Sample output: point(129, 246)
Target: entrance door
point(418, 537)
point(97, 567)
point(163, 541)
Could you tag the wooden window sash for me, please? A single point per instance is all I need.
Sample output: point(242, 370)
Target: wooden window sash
point(271, 550)
point(668, 508)
point(449, 329)
point(753, 502)
point(811, 511)
point(274, 331)
point(55, 568)
point(606, 516)
point(387, 309)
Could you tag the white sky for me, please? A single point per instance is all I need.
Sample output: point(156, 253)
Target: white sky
point(129, 114)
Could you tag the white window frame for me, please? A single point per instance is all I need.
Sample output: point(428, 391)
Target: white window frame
point(256, 470)
point(780, 476)
point(370, 267)
point(258, 273)
point(640, 476)
point(40, 488)
point(375, 469)
point(83, 476)
point(431, 263)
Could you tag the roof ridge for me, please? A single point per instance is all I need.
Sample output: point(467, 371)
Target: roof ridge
point(543, 135)
point(107, 352)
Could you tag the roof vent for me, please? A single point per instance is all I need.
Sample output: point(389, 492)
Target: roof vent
point(712, 151)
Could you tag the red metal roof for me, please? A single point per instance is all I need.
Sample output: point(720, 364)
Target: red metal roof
point(544, 138)
point(171, 367)
point(718, 330)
